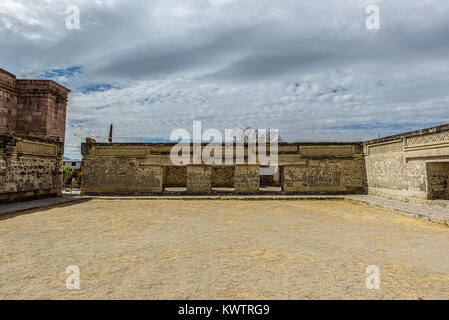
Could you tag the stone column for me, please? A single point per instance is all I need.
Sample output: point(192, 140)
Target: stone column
point(292, 178)
point(199, 179)
point(247, 178)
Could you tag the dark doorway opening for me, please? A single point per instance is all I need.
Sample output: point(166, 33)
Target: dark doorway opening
point(437, 180)
point(223, 178)
point(270, 178)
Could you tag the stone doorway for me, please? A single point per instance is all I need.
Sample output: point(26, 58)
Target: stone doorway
point(175, 178)
point(437, 180)
point(223, 178)
point(270, 179)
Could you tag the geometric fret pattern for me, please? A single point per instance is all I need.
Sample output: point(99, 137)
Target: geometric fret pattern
point(427, 139)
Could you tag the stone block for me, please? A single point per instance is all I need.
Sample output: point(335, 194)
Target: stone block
point(247, 178)
point(199, 178)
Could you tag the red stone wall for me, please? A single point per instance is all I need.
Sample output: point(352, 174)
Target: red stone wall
point(32, 107)
point(8, 102)
point(41, 108)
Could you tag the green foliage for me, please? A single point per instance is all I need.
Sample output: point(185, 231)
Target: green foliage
point(69, 174)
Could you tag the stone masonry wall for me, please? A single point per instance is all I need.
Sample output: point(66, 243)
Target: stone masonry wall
point(401, 166)
point(41, 108)
point(308, 168)
point(32, 107)
point(32, 129)
point(117, 175)
point(30, 167)
point(8, 102)
point(316, 176)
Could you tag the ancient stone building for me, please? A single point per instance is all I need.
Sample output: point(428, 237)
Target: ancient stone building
point(32, 107)
point(139, 168)
point(32, 132)
point(413, 165)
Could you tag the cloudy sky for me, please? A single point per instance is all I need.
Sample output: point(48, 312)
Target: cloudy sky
point(311, 69)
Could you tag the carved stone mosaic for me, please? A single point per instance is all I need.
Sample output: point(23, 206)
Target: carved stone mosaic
point(37, 148)
point(427, 139)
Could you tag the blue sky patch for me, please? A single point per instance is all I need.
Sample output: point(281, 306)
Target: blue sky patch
point(98, 87)
point(58, 73)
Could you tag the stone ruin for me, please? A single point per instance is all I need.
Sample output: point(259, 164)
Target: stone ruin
point(413, 165)
point(32, 132)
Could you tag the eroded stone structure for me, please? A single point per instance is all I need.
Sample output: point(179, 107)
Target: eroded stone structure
point(409, 166)
point(309, 168)
point(413, 165)
point(32, 132)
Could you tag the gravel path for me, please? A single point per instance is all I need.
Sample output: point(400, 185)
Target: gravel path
point(173, 249)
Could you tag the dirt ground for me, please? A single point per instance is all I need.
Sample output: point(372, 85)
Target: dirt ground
point(221, 249)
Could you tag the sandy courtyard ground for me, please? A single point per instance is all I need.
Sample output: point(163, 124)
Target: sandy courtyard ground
point(221, 249)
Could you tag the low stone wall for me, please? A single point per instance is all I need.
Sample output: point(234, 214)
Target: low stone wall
point(30, 167)
point(409, 166)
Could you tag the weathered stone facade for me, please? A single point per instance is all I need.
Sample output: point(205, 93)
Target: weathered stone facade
point(326, 176)
point(247, 178)
point(408, 166)
point(8, 102)
point(199, 179)
point(30, 167)
point(413, 165)
point(307, 168)
point(32, 107)
point(32, 131)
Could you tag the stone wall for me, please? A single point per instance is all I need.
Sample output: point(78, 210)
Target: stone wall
point(323, 176)
point(120, 174)
point(247, 178)
point(406, 166)
point(30, 167)
point(32, 107)
point(32, 131)
point(41, 108)
point(307, 167)
point(8, 102)
point(199, 179)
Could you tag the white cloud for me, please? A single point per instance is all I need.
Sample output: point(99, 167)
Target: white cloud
point(310, 69)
